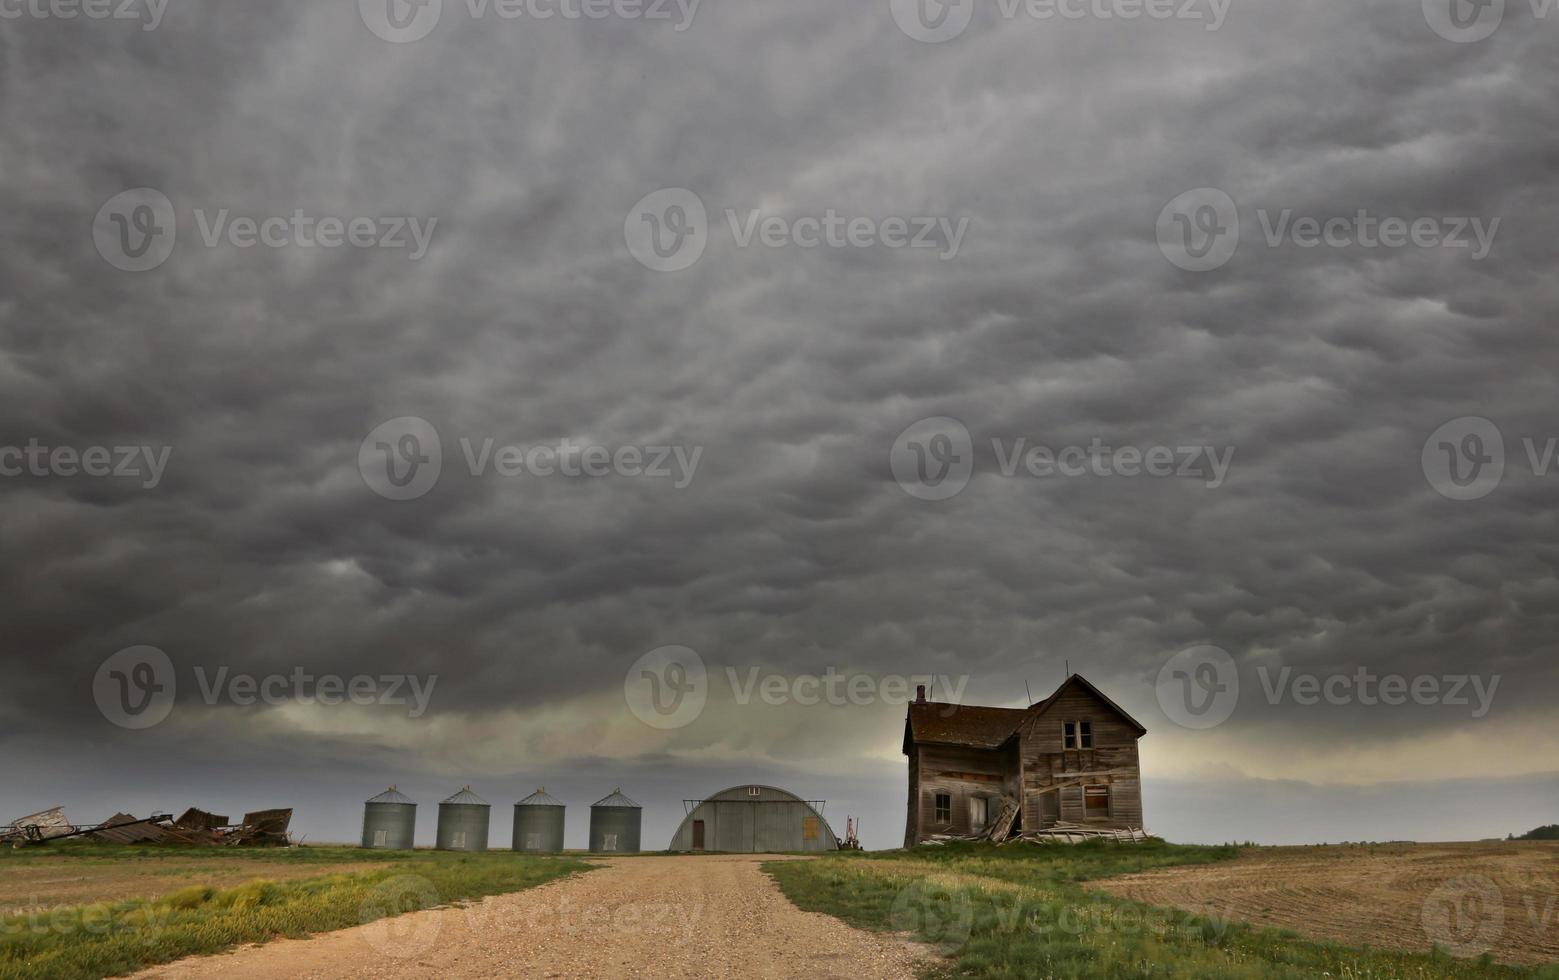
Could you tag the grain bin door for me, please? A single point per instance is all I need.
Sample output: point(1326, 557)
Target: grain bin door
point(698, 835)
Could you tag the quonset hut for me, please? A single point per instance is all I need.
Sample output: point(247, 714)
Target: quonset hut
point(538, 823)
point(754, 820)
point(462, 822)
point(614, 824)
point(390, 821)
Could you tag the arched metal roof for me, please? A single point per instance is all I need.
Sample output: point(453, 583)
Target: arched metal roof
point(765, 794)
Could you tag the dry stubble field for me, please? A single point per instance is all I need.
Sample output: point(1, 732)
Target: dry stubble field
point(1502, 895)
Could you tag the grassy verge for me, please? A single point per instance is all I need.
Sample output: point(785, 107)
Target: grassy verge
point(1020, 912)
point(110, 938)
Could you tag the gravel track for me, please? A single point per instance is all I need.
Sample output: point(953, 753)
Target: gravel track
point(672, 917)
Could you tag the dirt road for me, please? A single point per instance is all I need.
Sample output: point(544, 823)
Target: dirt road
point(1500, 898)
point(673, 917)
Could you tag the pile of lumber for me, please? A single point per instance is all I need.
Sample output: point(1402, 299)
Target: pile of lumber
point(196, 828)
point(1001, 832)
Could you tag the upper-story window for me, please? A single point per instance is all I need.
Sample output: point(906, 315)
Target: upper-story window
point(1077, 735)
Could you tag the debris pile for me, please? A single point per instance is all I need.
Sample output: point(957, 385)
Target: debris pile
point(196, 828)
point(1003, 830)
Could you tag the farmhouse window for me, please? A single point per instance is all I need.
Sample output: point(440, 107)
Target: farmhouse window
point(1096, 801)
point(1077, 735)
point(944, 808)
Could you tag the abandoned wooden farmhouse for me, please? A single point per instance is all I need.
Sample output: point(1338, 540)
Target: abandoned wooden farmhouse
point(1070, 759)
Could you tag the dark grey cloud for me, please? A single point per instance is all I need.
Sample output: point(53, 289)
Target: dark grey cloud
point(794, 370)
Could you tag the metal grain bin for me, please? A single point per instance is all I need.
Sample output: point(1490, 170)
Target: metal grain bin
point(614, 825)
point(390, 822)
point(462, 822)
point(538, 823)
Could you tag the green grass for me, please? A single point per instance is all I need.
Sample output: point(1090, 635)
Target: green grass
point(111, 938)
point(1020, 913)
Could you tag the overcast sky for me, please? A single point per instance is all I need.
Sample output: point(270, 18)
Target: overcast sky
point(808, 517)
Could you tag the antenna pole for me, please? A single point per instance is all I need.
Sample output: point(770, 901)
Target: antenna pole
point(1028, 692)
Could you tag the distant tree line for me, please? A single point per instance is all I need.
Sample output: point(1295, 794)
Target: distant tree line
point(1546, 832)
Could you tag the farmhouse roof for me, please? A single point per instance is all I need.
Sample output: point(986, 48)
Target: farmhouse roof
point(988, 728)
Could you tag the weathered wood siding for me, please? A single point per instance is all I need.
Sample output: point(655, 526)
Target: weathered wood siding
point(1048, 767)
point(961, 773)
